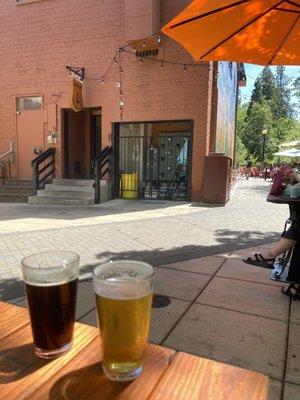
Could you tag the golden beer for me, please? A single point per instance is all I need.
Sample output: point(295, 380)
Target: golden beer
point(124, 327)
point(123, 292)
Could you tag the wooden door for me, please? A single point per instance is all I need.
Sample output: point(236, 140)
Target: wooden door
point(30, 136)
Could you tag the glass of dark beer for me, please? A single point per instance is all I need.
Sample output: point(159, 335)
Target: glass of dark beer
point(123, 297)
point(51, 287)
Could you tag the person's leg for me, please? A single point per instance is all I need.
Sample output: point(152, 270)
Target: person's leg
point(289, 239)
point(278, 248)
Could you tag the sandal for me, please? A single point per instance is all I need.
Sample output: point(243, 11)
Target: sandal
point(260, 261)
point(293, 291)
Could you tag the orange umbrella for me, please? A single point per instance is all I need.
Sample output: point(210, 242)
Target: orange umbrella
point(254, 31)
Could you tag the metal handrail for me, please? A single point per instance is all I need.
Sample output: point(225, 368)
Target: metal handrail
point(102, 159)
point(49, 155)
point(7, 158)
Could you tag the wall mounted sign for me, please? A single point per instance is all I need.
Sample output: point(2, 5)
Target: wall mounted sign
point(76, 95)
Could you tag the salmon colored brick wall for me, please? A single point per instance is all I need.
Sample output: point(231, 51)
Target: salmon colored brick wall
point(37, 41)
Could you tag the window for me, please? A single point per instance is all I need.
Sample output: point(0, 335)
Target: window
point(29, 103)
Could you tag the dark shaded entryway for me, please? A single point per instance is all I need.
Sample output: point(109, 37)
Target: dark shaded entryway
point(81, 141)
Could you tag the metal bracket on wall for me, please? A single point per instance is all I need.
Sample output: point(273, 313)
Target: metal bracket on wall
point(78, 71)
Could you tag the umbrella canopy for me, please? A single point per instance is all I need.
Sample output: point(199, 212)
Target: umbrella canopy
point(288, 153)
point(262, 32)
point(295, 143)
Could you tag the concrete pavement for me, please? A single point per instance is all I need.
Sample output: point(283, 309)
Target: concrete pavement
point(220, 307)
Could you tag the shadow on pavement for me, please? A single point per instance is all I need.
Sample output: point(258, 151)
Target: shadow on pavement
point(227, 241)
point(113, 207)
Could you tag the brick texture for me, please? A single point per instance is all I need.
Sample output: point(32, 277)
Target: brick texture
point(38, 39)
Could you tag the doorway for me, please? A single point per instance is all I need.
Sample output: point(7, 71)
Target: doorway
point(159, 155)
point(82, 141)
point(30, 133)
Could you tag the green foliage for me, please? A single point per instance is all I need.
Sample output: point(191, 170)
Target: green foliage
point(296, 87)
point(270, 108)
point(241, 152)
point(259, 119)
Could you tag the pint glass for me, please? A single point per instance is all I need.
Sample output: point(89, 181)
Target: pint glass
point(123, 297)
point(51, 287)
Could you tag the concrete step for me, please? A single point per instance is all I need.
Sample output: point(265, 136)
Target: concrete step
point(18, 182)
point(17, 189)
point(67, 193)
point(72, 188)
point(13, 198)
point(73, 182)
point(57, 200)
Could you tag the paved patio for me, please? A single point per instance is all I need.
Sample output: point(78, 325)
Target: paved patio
point(220, 307)
point(225, 310)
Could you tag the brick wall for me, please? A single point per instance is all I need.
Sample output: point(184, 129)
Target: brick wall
point(38, 39)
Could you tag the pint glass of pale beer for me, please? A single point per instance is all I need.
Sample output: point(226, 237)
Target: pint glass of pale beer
point(123, 297)
point(51, 287)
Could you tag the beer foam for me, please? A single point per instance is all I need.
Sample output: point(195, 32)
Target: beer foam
point(121, 290)
point(47, 284)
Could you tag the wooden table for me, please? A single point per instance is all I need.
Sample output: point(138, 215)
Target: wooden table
point(168, 375)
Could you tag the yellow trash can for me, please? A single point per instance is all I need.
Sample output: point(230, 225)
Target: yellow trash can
point(129, 185)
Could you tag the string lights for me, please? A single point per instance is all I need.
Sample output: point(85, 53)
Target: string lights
point(146, 55)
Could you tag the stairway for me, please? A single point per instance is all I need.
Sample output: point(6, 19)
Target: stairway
point(15, 190)
point(76, 192)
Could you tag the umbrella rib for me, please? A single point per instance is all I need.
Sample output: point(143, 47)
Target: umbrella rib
point(186, 21)
point(242, 28)
point(284, 39)
point(290, 11)
point(292, 3)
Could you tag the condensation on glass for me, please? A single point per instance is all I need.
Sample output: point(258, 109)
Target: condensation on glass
point(29, 103)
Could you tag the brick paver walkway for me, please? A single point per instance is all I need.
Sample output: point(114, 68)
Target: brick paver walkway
point(220, 307)
point(159, 232)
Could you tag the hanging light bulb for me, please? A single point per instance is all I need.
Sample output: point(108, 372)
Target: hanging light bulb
point(121, 70)
point(115, 61)
point(134, 50)
point(144, 44)
point(159, 39)
point(141, 60)
point(162, 66)
point(70, 74)
point(184, 68)
point(123, 51)
point(102, 81)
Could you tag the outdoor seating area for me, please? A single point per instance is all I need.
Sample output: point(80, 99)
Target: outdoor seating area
point(210, 297)
point(144, 257)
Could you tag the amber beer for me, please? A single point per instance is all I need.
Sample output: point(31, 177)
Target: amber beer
point(123, 299)
point(51, 287)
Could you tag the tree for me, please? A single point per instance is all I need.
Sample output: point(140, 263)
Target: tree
point(283, 128)
point(259, 118)
point(269, 108)
point(296, 87)
point(268, 84)
point(264, 88)
point(281, 101)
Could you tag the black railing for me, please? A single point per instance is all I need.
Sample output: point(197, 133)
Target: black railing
point(40, 175)
point(6, 160)
point(101, 167)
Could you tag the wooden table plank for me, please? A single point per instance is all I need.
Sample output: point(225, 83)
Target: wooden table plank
point(22, 373)
point(12, 318)
point(194, 378)
point(76, 375)
point(82, 378)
